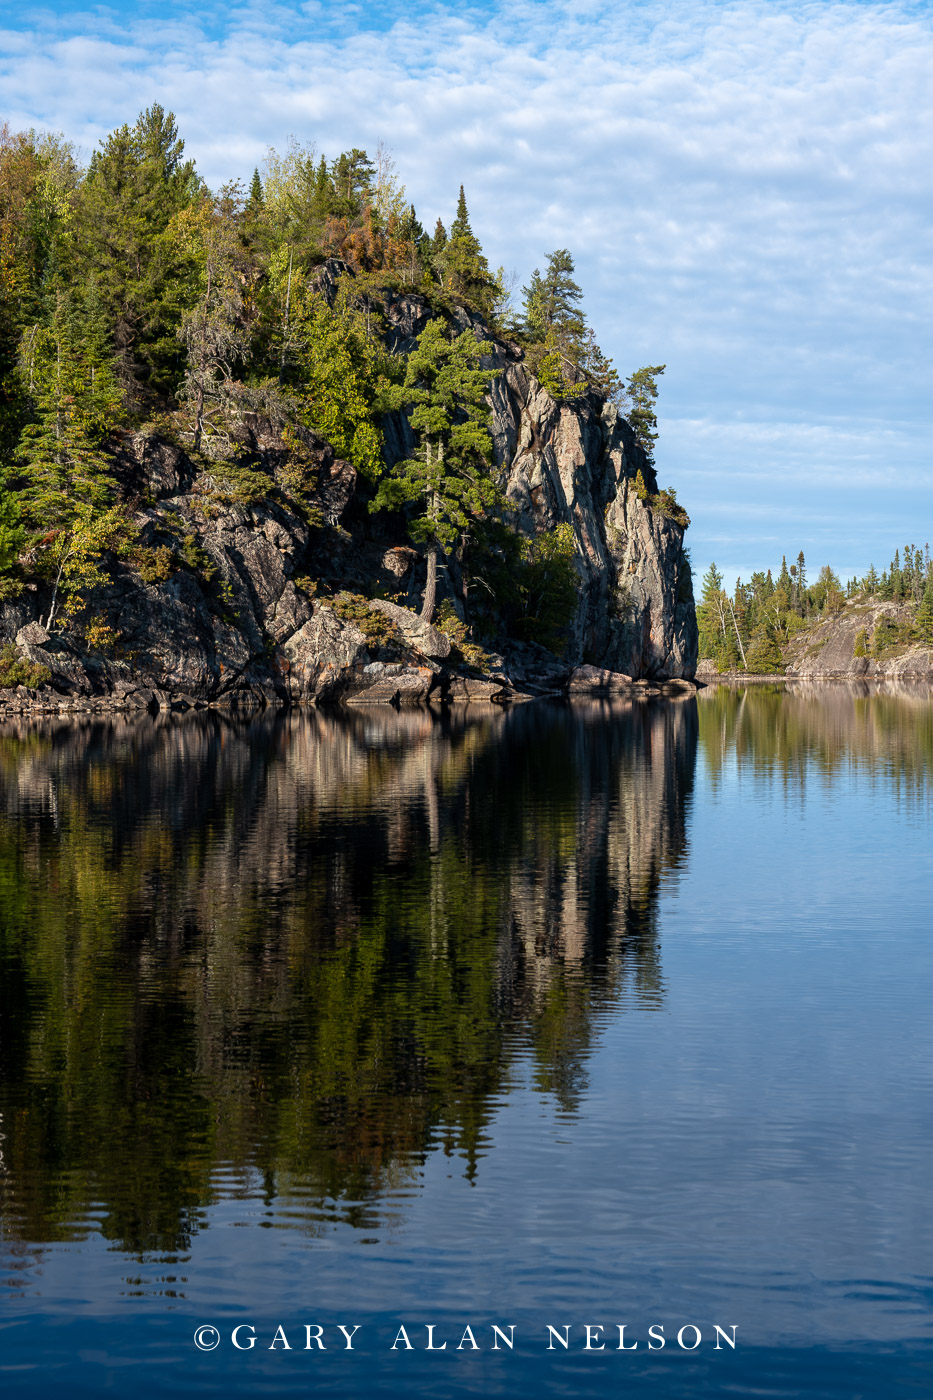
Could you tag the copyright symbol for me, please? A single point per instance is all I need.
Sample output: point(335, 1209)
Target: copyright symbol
point(206, 1338)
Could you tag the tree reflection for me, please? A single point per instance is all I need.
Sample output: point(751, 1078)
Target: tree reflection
point(309, 949)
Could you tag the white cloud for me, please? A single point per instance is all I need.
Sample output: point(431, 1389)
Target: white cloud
point(745, 188)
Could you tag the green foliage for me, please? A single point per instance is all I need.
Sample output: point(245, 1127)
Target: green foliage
point(19, 670)
point(73, 555)
point(137, 182)
point(666, 503)
point(197, 559)
point(924, 619)
point(340, 374)
point(860, 647)
point(563, 353)
point(885, 637)
point(378, 629)
point(642, 391)
point(447, 483)
point(154, 564)
point(641, 490)
point(716, 643)
point(763, 656)
point(460, 635)
point(12, 538)
point(462, 265)
point(240, 483)
point(548, 587)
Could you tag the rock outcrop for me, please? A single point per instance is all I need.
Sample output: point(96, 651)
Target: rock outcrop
point(867, 640)
point(828, 649)
point(238, 596)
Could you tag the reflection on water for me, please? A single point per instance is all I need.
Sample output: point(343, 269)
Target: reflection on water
point(790, 731)
point(303, 951)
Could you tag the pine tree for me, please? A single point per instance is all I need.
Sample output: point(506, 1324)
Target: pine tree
point(642, 390)
point(463, 264)
point(136, 183)
point(924, 619)
point(448, 481)
point(66, 487)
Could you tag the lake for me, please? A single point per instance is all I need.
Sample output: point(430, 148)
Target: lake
point(607, 1016)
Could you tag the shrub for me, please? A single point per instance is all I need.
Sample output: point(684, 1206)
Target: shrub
point(19, 670)
point(667, 504)
point(99, 636)
point(154, 564)
point(197, 559)
point(378, 629)
point(861, 643)
point(447, 621)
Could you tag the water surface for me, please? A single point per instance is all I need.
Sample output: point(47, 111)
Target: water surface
point(611, 1014)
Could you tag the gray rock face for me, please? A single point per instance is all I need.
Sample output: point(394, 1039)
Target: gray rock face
point(827, 650)
point(576, 464)
point(419, 634)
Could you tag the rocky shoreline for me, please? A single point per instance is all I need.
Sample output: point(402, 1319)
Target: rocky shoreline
point(375, 683)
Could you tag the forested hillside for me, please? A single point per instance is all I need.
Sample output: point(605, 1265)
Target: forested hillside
point(267, 331)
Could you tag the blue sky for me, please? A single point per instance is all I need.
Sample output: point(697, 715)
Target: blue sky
point(745, 188)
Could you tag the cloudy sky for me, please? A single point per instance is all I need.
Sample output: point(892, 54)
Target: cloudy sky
point(745, 187)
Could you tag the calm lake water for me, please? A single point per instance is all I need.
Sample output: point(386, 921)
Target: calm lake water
point(578, 1016)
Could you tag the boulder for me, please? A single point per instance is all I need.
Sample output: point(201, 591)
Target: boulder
point(419, 635)
point(594, 680)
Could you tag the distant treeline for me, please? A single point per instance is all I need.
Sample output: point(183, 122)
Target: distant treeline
point(748, 629)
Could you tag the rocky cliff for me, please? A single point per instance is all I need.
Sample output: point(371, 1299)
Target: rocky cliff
point(234, 598)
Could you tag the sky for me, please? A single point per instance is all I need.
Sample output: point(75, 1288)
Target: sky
point(744, 187)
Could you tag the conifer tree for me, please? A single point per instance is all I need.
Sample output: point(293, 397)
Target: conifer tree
point(924, 620)
point(712, 619)
point(642, 390)
point(136, 183)
point(447, 481)
point(66, 488)
point(463, 264)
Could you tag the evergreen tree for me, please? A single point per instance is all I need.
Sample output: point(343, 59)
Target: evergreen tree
point(924, 619)
point(642, 390)
point(12, 538)
point(552, 302)
point(136, 183)
point(448, 481)
point(462, 263)
point(66, 489)
point(713, 619)
point(764, 654)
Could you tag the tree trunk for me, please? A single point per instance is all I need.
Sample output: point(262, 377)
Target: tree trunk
point(430, 588)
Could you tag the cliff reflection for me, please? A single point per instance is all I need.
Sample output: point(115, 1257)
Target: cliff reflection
point(306, 950)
